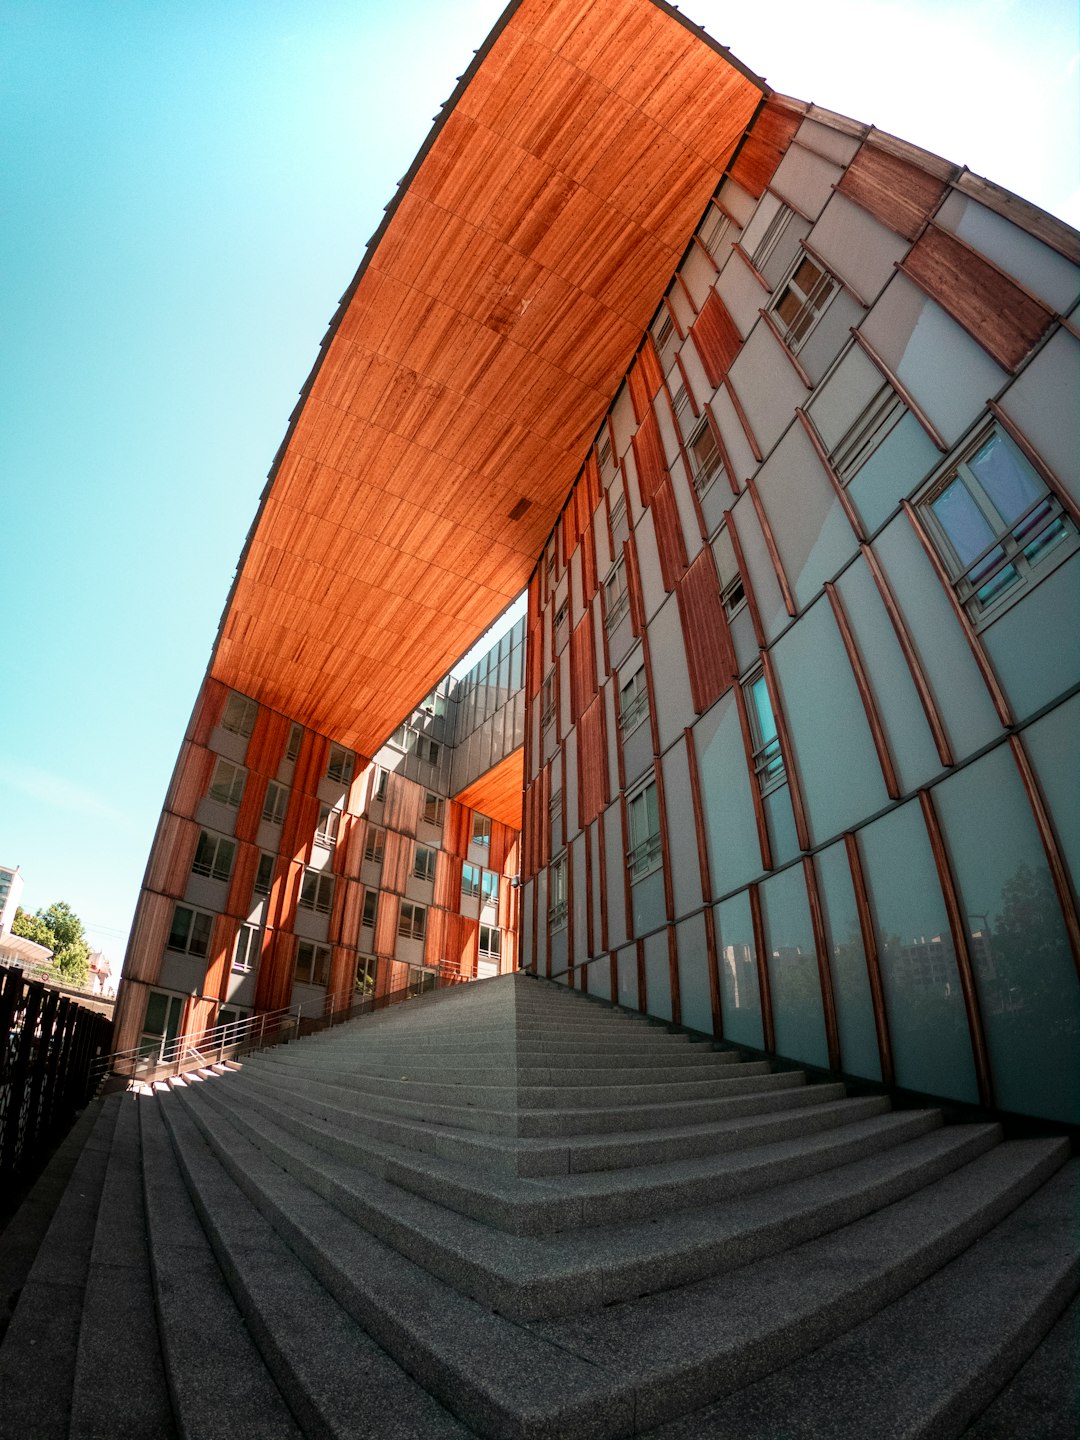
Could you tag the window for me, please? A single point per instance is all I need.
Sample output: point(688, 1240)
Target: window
point(434, 704)
point(481, 830)
point(489, 942)
point(644, 821)
point(557, 892)
point(227, 785)
point(768, 758)
point(867, 432)
point(378, 789)
point(424, 863)
point(411, 920)
point(340, 765)
point(489, 888)
point(397, 739)
point(771, 238)
point(562, 624)
point(619, 528)
point(555, 810)
point(373, 845)
point(326, 831)
point(705, 458)
point(603, 454)
point(616, 595)
point(296, 739)
point(276, 803)
point(246, 951)
point(665, 338)
point(371, 907)
point(190, 933)
point(995, 523)
point(312, 963)
point(365, 976)
point(434, 808)
point(470, 879)
point(547, 700)
point(799, 302)
point(240, 714)
point(633, 701)
point(733, 597)
point(264, 875)
point(213, 856)
point(317, 891)
point(714, 231)
point(427, 749)
point(684, 414)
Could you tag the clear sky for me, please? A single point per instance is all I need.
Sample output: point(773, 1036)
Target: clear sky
point(187, 192)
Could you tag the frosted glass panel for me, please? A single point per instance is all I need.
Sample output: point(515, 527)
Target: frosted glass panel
point(798, 1018)
point(1024, 969)
point(925, 1005)
point(740, 999)
point(851, 985)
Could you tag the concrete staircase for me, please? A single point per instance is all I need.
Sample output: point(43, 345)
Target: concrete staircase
point(505, 1211)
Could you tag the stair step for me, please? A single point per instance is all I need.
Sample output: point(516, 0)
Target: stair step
point(1042, 1400)
point(211, 1359)
point(287, 1277)
point(526, 1276)
point(44, 1330)
point(936, 1355)
point(120, 1392)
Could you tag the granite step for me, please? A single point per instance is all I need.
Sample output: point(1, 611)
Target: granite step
point(48, 1316)
point(526, 1277)
point(937, 1355)
point(633, 1364)
point(212, 1363)
point(775, 1115)
point(120, 1391)
point(338, 1382)
point(1042, 1400)
point(535, 1207)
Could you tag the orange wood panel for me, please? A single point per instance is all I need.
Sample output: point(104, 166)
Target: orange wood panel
point(498, 792)
point(897, 192)
point(171, 855)
point(669, 535)
point(710, 656)
point(592, 763)
point(649, 456)
point(717, 338)
point(481, 341)
point(149, 932)
point(762, 151)
point(995, 311)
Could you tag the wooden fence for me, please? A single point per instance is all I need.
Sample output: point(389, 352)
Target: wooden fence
point(48, 1046)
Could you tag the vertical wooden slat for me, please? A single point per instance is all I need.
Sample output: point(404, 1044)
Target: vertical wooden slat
point(870, 954)
point(866, 694)
point(764, 983)
point(1059, 873)
point(821, 949)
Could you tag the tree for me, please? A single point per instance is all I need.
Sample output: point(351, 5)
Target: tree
point(58, 927)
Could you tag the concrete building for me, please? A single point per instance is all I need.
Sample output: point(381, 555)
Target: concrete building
point(11, 888)
point(775, 417)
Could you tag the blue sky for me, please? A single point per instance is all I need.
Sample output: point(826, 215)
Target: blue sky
point(187, 193)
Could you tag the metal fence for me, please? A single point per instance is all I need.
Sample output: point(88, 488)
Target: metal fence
point(48, 1047)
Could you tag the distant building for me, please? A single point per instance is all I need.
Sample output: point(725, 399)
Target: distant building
point(11, 888)
point(16, 949)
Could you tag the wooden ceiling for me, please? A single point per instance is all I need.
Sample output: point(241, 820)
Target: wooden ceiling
point(480, 344)
point(500, 791)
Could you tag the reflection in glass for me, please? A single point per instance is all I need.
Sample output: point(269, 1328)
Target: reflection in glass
point(740, 998)
point(1024, 972)
point(847, 959)
point(923, 998)
point(798, 1018)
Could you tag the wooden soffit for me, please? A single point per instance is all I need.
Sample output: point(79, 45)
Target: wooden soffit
point(499, 791)
point(491, 321)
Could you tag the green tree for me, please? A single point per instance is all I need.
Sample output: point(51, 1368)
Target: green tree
point(58, 927)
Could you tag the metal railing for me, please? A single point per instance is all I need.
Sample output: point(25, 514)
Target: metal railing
point(158, 1059)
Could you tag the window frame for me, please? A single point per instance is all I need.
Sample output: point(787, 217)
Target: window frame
point(246, 963)
point(796, 329)
point(634, 714)
point(375, 844)
point(316, 891)
point(328, 814)
point(468, 886)
point(615, 610)
point(481, 830)
point(339, 764)
point(318, 963)
point(214, 869)
point(557, 893)
point(770, 767)
point(275, 802)
point(195, 932)
point(371, 902)
point(257, 886)
point(426, 871)
point(415, 927)
point(704, 472)
point(493, 934)
point(434, 811)
point(295, 740)
point(230, 791)
point(243, 722)
point(645, 854)
point(1044, 514)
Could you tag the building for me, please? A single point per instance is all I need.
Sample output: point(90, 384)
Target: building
point(775, 416)
point(11, 888)
point(293, 874)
